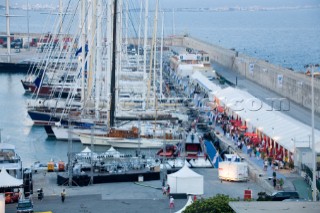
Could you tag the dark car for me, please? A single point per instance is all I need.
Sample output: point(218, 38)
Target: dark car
point(282, 195)
point(13, 44)
point(25, 206)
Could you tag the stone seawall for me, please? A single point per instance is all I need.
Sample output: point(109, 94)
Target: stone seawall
point(294, 86)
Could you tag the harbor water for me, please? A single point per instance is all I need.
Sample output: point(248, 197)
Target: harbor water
point(285, 33)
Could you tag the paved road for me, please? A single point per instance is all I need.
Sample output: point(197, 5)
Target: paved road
point(296, 111)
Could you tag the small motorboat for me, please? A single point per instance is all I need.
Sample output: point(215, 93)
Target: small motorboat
point(171, 151)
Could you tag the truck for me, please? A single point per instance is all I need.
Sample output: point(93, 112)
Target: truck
point(233, 171)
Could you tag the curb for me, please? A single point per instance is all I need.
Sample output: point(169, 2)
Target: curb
point(141, 184)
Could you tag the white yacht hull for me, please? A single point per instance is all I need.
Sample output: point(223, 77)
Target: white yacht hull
point(126, 142)
point(63, 133)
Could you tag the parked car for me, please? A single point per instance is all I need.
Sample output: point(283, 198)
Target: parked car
point(25, 206)
point(11, 197)
point(283, 195)
point(15, 43)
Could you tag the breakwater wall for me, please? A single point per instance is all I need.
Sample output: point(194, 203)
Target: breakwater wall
point(291, 85)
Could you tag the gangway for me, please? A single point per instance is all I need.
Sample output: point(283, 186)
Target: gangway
point(212, 154)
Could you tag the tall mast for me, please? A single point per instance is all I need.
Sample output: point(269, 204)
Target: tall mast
point(113, 69)
point(145, 54)
point(8, 31)
point(139, 36)
point(83, 46)
point(127, 22)
point(99, 58)
point(153, 46)
point(60, 24)
point(119, 47)
point(109, 48)
point(161, 53)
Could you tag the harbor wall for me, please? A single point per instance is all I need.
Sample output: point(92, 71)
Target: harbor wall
point(292, 85)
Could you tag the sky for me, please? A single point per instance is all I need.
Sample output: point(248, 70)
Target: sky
point(198, 3)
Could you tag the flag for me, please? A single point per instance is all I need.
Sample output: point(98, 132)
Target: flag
point(37, 81)
point(80, 50)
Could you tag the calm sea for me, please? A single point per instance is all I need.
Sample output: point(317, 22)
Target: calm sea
point(290, 38)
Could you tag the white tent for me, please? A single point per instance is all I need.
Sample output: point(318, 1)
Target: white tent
point(7, 180)
point(87, 153)
point(285, 130)
point(204, 82)
point(186, 181)
point(112, 152)
point(86, 150)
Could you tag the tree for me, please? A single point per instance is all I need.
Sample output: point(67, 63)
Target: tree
point(217, 204)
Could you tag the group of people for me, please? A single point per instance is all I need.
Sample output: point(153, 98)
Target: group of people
point(41, 194)
point(277, 183)
point(166, 191)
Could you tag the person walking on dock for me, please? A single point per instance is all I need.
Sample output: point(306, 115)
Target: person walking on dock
point(171, 202)
point(168, 189)
point(63, 195)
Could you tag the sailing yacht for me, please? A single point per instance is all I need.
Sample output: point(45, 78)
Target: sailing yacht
point(146, 135)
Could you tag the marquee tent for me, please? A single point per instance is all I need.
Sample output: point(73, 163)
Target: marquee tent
point(8, 181)
point(204, 82)
point(283, 129)
point(86, 153)
point(186, 181)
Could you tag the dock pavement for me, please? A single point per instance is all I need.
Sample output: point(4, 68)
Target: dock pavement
point(124, 197)
point(22, 56)
point(292, 180)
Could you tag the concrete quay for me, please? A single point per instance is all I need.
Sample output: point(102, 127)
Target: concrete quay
point(18, 57)
point(125, 197)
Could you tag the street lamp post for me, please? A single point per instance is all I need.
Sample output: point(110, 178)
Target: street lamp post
point(314, 181)
point(28, 25)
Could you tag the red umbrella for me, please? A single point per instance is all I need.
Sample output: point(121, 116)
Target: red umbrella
point(237, 123)
point(255, 140)
point(243, 127)
point(233, 121)
point(250, 134)
point(220, 109)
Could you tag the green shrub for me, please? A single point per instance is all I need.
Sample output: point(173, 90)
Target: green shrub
point(216, 204)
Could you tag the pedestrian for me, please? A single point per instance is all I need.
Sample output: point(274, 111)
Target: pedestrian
point(63, 195)
point(171, 202)
point(274, 182)
point(265, 165)
point(164, 190)
point(274, 174)
point(258, 153)
point(168, 189)
point(40, 194)
point(281, 182)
